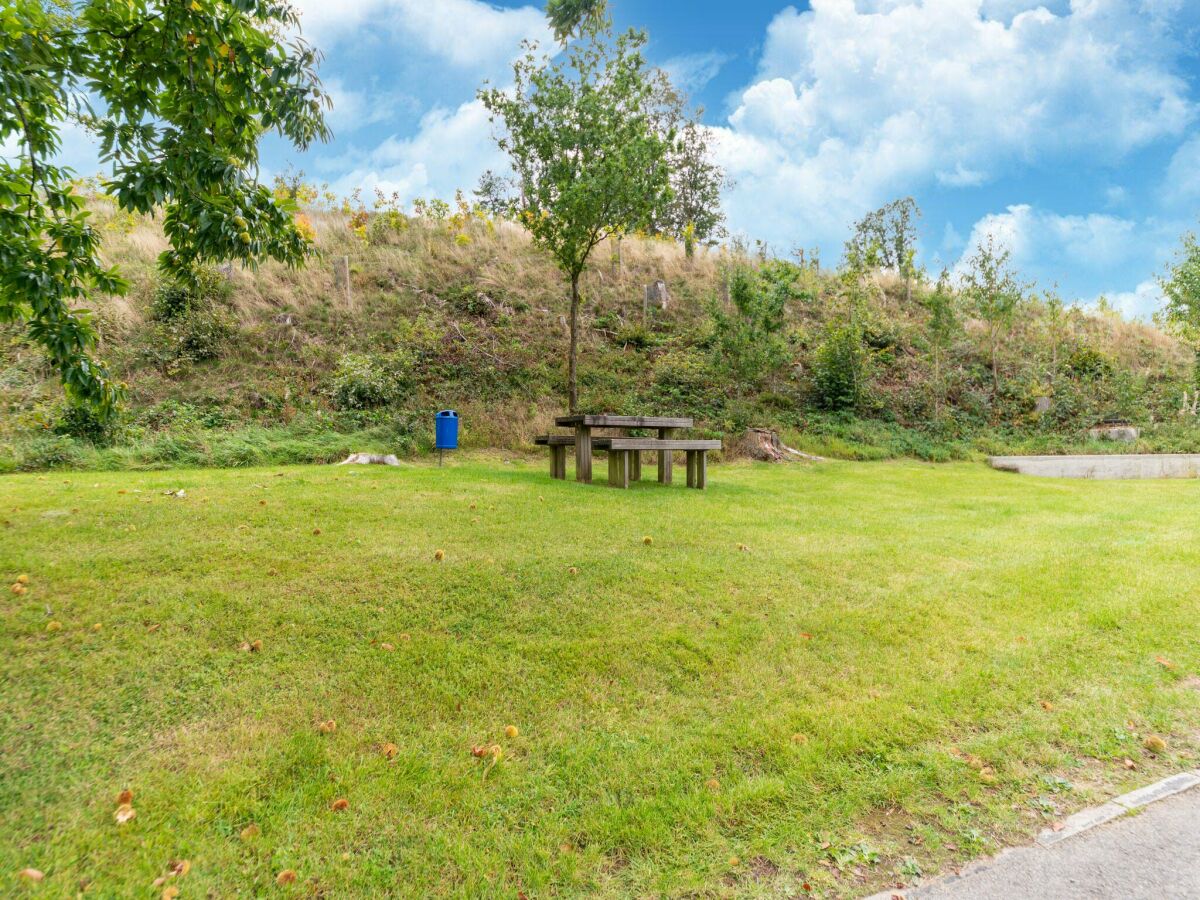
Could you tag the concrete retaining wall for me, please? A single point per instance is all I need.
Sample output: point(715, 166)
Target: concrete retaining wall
point(1156, 465)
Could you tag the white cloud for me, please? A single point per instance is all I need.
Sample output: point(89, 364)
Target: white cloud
point(78, 149)
point(10, 148)
point(856, 103)
point(962, 177)
point(435, 52)
point(1182, 183)
point(355, 109)
point(1140, 303)
point(1097, 248)
point(693, 71)
point(450, 150)
point(1094, 241)
point(468, 34)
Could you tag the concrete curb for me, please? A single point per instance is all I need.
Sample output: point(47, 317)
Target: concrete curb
point(1080, 823)
point(1098, 815)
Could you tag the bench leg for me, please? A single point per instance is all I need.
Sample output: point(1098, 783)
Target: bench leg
point(558, 462)
point(583, 454)
point(635, 473)
point(691, 468)
point(618, 468)
point(702, 469)
point(665, 460)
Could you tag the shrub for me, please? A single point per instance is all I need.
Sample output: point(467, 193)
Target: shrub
point(637, 336)
point(470, 300)
point(1089, 363)
point(839, 369)
point(751, 337)
point(683, 380)
point(178, 297)
point(49, 452)
point(86, 423)
point(369, 380)
point(192, 316)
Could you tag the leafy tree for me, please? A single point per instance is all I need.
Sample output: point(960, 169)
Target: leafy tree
point(569, 16)
point(991, 287)
point(493, 193)
point(1056, 324)
point(751, 337)
point(588, 159)
point(886, 239)
point(694, 214)
point(182, 92)
point(1181, 287)
point(944, 325)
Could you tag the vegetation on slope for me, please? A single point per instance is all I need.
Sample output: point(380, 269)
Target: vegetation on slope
point(448, 307)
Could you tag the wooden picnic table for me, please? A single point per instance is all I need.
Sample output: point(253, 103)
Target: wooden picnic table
point(583, 425)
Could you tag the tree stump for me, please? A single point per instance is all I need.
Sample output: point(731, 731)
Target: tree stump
point(764, 445)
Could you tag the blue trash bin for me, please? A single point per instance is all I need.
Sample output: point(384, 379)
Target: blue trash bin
point(446, 429)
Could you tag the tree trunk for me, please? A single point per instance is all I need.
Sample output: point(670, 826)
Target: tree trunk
point(995, 346)
point(938, 387)
point(573, 356)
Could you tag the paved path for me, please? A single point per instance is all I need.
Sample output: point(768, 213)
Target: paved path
point(1151, 854)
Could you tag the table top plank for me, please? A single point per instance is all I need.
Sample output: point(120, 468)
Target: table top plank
point(607, 421)
point(654, 444)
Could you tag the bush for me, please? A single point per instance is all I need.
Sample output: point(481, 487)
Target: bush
point(751, 337)
point(86, 423)
point(683, 380)
point(369, 380)
point(636, 336)
point(471, 301)
point(49, 452)
point(192, 316)
point(839, 369)
point(1089, 363)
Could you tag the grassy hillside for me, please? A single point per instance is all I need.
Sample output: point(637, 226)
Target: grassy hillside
point(450, 309)
point(908, 667)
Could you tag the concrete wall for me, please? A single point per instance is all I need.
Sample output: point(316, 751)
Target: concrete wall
point(1165, 465)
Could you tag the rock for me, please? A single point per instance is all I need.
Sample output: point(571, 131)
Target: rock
point(657, 295)
point(369, 459)
point(765, 446)
point(1123, 433)
point(1042, 405)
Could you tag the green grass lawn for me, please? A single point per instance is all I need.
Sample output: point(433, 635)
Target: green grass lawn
point(908, 666)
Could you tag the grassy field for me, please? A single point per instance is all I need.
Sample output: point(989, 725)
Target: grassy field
point(909, 665)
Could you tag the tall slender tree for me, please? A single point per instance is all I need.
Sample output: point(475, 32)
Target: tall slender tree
point(588, 159)
point(178, 94)
point(991, 286)
point(887, 239)
point(1181, 287)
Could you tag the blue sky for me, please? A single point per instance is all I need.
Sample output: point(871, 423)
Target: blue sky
point(1067, 127)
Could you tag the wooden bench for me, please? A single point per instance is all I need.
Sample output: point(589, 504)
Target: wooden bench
point(558, 444)
point(625, 458)
point(583, 425)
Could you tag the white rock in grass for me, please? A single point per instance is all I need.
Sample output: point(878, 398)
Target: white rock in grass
point(369, 459)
